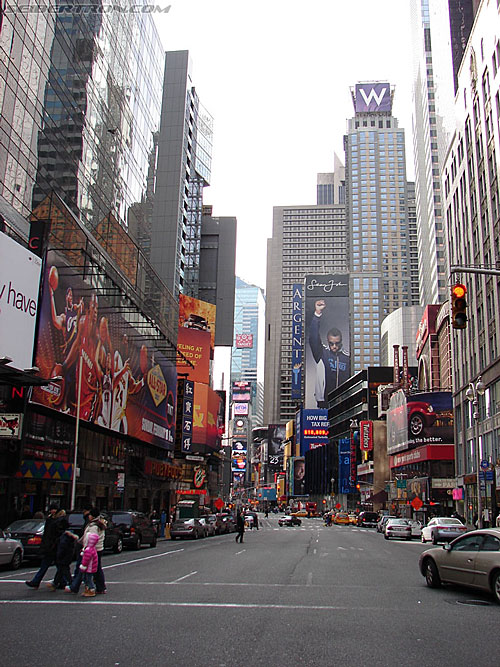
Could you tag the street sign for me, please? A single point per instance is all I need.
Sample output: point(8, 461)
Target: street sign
point(401, 483)
point(485, 464)
point(338, 506)
point(219, 504)
point(416, 503)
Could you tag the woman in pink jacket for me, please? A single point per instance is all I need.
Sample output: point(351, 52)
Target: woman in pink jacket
point(89, 564)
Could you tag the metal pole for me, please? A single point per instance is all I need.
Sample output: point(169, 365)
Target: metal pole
point(478, 464)
point(77, 430)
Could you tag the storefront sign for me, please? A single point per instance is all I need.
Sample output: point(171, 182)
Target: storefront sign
point(428, 453)
point(366, 436)
point(161, 469)
point(10, 425)
point(55, 470)
point(191, 492)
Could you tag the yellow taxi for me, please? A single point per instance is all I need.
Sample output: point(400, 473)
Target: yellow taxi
point(341, 519)
point(299, 513)
point(353, 519)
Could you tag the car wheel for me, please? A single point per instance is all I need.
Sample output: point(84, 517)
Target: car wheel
point(435, 540)
point(118, 548)
point(138, 543)
point(152, 544)
point(17, 558)
point(416, 424)
point(495, 585)
point(432, 578)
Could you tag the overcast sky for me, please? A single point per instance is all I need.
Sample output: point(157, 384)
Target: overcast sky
point(276, 76)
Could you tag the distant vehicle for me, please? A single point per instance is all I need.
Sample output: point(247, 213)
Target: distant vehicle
point(341, 519)
point(208, 526)
point(399, 528)
point(227, 523)
point(353, 519)
point(368, 519)
point(249, 521)
point(289, 520)
point(442, 529)
point(416, 528)
point(113, 538)
point(187, 528)
point(29, 532)
point(382, 521)
point(302, 513)
point(471, 560)
point(11, 551)
point(135, 527)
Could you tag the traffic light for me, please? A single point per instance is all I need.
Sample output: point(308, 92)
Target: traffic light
point(458, 306)
point(358, 486)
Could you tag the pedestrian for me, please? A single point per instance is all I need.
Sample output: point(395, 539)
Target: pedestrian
point(89, 565)
point(48, 546)
point(267, 513)
point(39, 515)
point(240, 526)
point(26, 513)
point(497, 522)
point(64, 557)
point(255, 520)
point(96, 525)
point(163, 522)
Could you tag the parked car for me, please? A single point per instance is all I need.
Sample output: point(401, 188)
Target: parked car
point(289, 521)
point(227, 523)
point(212, 518)
point(442, 529)
point(208, 526)
point(11, 551)
point(397, 528)
point(416, 528)
point(187, 528)
point(471, 560)
point(249, 520)
point(341, 519)
point(113, 538)
point(368, 519)
point(135, 527)
point(29, 532)
point(382, 521)
point(353, 519)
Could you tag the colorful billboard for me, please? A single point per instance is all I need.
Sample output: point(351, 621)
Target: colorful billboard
point(373, 97)
point(240, 409)
point(328, 362)
point(424, 418)
point(311, 429)
point(297, 472)
point(195, 346)
point(115, 383)
point(276, 445)
point(345, 484)
point(297, 332)
point(244, 341)
point(197, 315)
point(20, 273)
point(207, 408)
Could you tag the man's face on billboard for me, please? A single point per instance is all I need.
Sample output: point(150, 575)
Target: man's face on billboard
point(335, 343)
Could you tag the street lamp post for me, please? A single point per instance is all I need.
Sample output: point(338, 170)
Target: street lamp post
point(475, 390)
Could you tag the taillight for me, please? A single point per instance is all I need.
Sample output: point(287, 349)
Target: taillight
point(34, 540)
point(132, 530)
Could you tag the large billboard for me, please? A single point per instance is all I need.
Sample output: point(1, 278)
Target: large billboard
point(275, 445)
point(207, 412)
point(20, 273)
point(195, 346)
point(297, 341)
point(328, 361)
point(115, 383)
point(198, 316)
point(371, 97)
point(296, 479)
point(424, 418)
point(311, 429)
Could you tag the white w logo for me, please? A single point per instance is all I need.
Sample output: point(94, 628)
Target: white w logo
point(368, 98)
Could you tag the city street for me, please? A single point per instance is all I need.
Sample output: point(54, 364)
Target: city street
point(307, 595)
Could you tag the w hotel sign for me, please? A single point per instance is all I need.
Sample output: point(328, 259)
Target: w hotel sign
point(373, 97)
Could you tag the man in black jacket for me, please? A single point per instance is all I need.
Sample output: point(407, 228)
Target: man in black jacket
point(48, 547)
point(240, 526)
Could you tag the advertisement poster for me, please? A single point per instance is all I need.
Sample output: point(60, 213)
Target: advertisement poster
point(345, 483)
point(424, 418)
point(195, 346)
point(371, 97)
point(207, 409)
point(197, 315)
point(296, 483)
point(276, 445)
point(312, 429)
point(327, 355)
point(20, 273)
point(125, 387)
point(297, 340)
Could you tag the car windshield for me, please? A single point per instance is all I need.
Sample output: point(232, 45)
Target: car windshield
point(28, 526)
point(450, 522)
point(398, 522)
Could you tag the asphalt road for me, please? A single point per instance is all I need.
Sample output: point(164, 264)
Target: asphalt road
point(308, 595)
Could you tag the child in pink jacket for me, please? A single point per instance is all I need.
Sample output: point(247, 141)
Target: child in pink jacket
point(89, 565)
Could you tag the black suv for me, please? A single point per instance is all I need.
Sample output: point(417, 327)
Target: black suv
point(113, 538)
point(368, 519)
point(136, 528)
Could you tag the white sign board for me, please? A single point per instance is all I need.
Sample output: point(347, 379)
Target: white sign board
point(19, 283)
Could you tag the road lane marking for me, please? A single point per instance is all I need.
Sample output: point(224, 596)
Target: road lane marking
point(309, 578)
point(210, 605)
point(184, 577)
point(139, 560)
point(240, 552)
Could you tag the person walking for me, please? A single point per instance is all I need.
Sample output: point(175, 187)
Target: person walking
point(96, 525)
point(64, 557)
point(163, 522)
point(255, 520)
point(48, 546)
point(89, 565)
point(240, 526)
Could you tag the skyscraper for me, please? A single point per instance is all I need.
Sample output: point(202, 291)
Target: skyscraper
point(247, 362)
point(306, 240)
point(184, 163)
point(377, 219)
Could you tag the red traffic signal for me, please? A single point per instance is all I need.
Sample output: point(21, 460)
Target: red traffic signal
point(458, 306)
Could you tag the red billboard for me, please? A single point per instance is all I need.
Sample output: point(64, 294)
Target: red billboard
point(244, 341)
point(195, 346)
point(206, 412)
point(107, 377)
point(198, 316)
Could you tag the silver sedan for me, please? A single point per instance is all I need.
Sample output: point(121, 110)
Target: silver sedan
point(11, 551)
point(472, 560)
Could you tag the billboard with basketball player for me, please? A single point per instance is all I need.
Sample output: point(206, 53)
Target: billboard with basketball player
point(108, 378)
